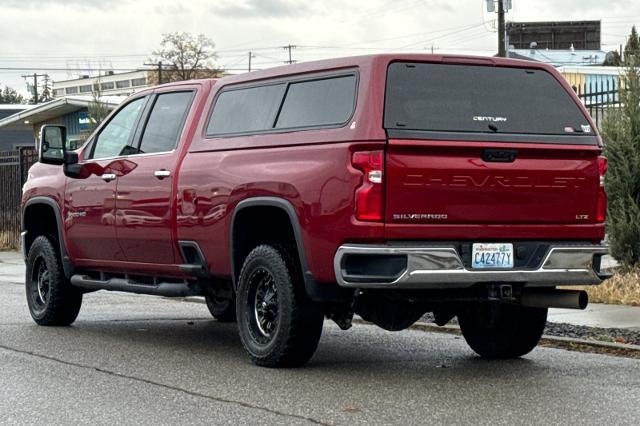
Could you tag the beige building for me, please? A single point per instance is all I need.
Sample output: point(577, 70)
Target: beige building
point(111, 84)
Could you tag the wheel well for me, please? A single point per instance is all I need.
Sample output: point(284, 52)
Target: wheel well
point(257, 225)
point(39, 219)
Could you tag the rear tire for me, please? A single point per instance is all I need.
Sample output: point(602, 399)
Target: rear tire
point(279, 326)
point(222, 302)
point(51, 299)
point(500, 330)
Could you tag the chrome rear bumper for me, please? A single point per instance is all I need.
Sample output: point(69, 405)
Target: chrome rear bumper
point(440, 267)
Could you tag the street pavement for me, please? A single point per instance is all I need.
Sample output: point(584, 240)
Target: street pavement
point(149, 360)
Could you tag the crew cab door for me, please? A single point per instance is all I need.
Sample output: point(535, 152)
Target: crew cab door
point(90, 206)
point(145, 205)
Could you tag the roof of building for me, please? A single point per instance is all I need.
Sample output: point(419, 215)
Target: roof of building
point(98, 77)
point(17, 107)
point(592, 70)
point(560, 57)
point(56, 108)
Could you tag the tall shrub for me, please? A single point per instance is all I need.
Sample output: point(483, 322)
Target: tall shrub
point(621, 132)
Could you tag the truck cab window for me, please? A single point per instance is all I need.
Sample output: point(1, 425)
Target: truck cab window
point(165, 122)
point(114, 138)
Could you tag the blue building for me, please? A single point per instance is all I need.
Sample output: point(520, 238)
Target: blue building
point(10, 137)
point(70, 111)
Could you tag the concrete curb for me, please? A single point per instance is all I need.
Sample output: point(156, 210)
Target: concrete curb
point(552, 340)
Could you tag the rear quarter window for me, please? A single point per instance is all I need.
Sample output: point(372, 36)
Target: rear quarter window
point(318, 103)
point(278, 106)
point(479, 99)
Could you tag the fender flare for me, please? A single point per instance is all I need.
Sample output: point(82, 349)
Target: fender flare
point(316, 292)
point(67, 266)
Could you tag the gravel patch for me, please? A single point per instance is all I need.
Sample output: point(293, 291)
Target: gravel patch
point(618, 335)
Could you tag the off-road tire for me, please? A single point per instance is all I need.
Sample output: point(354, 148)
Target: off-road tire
point(298, 322)
point(223, 309)
point(51, 299)
point(501, 330)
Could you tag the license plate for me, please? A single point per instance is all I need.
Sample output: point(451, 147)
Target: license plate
point(490, 255)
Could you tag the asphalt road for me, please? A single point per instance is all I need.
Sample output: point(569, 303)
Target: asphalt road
point(145, 360)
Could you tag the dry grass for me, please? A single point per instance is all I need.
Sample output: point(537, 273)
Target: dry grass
point(622, 289)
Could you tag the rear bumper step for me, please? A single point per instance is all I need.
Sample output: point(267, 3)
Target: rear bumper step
point(438, 267)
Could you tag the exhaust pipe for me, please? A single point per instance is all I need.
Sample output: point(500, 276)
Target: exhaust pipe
point(567, 299)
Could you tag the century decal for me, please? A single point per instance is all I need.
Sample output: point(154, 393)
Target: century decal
point(489, 118)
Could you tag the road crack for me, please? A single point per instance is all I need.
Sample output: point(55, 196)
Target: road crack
point(165, 386)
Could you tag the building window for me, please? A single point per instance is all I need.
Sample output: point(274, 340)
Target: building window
point(71, 90)
point(139, 82)
point(85, 89)
point(58, 92)
point(107, 86)
point(122, 84)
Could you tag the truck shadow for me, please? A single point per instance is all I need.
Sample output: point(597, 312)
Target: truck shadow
point(410, 355)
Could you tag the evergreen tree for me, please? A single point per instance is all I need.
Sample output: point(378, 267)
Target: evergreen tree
point(10, 96)
point(632, 48)
point(621, 131)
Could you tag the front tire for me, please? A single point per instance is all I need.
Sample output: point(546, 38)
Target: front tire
point(51, 299)
point(500, 330)
point(279, 326)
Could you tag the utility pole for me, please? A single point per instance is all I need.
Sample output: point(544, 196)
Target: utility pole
point(503, 7)
point(159, 72)
point(289, 47)
point(35, 84)
point(502, 52)
point(35, 88)
point(251, 55)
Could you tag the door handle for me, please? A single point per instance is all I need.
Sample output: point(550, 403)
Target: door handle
point(161, 174)
point(108, 177)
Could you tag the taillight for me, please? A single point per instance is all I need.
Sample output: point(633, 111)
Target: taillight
point(369, 195)
point(601, 214)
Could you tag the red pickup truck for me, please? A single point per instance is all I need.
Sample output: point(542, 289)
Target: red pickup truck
point(386, 186)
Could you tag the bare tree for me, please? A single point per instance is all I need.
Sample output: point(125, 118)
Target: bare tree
point(185, 55)
point(98, 109)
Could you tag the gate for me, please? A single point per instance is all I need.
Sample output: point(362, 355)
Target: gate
point(14, 167)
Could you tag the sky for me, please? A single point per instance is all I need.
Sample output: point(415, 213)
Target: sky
point(121, 34)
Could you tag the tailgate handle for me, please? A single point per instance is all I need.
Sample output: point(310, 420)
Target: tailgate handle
point(499, 155)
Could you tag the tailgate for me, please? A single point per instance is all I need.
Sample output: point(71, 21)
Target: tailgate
point(487, 152)
point(461, 182)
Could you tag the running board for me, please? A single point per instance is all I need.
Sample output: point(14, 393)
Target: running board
point(166, 289)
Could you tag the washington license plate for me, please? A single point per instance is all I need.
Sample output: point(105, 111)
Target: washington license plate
point(492, 255)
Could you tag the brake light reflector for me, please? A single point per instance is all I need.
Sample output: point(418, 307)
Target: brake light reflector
point(601, 213)
point(369, 196)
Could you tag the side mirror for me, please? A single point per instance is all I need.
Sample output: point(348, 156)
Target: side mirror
point(52, 145)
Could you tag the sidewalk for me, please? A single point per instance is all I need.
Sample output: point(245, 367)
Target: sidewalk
point(11, 267)
point(599, 315)
point(596, 314)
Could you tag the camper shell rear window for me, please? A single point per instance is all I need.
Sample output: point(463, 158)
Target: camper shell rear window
point(481, 100)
